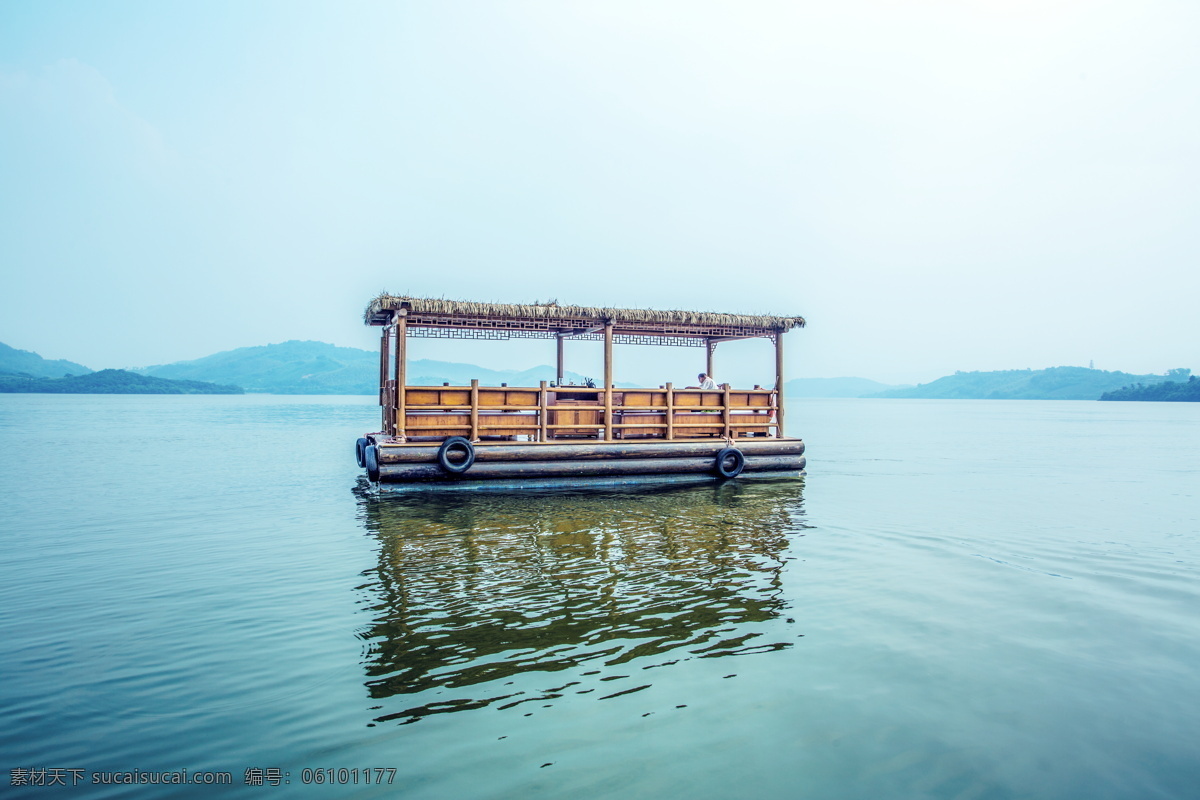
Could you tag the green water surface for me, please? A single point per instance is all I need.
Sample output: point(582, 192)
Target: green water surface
point(963, 599)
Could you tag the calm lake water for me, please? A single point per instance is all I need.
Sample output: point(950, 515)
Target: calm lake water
point(964, 599)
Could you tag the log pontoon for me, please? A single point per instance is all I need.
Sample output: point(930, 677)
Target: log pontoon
point(557, 433)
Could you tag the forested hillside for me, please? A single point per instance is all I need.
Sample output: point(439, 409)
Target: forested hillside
point(110, 381)
point(1055, 383)
point(23, 362)
point(1168, 391)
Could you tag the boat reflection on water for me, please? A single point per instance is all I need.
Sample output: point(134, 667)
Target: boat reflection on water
point(500, 599)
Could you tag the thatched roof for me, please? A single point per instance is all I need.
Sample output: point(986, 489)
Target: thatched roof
point(550, 317)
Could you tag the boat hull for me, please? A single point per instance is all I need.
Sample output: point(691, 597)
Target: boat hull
point(407, 463)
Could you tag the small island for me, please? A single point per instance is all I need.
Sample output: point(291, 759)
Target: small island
point(109, 381)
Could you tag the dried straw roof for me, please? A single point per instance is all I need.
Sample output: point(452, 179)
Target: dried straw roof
point(379, 313)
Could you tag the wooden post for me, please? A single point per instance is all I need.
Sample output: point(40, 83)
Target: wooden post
point(543, 411)
point(779, 383)
point(401, 369)
point(670, 410)
point(384, 400)
point(711, 347)
point(559, 380)
point(725, 410)
point(474, 409)
point(608, 380)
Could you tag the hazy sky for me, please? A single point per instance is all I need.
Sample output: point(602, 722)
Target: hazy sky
point(933, 185)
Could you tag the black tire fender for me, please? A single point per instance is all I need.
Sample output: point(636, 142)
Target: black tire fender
point(359, 446)
point(730, 462)
point(453, 445)
point(371, 462)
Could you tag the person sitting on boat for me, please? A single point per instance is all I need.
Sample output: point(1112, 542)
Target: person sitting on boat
point(705, 382)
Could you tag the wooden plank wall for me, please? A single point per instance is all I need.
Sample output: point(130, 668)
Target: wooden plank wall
point(545, 413)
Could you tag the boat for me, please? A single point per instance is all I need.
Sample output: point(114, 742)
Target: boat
point(565, 435)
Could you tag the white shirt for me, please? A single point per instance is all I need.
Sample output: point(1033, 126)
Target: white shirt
point(707, 383)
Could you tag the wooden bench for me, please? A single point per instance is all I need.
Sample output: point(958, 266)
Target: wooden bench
point(440, 424)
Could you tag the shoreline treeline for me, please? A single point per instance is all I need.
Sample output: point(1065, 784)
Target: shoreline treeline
point(1168, 391)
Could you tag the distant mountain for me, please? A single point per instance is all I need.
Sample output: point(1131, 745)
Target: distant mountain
point(110, 381)
point(296, 367)
point(288, 368)
point(1165, 392)
point(23, 362)
point(834, 387)
point(1055, 383)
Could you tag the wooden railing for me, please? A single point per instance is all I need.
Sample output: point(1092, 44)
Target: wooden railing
point(546, 413)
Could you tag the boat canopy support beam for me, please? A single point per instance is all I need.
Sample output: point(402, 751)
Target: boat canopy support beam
point(401, 324)
point(778, 337)
point(608, 381)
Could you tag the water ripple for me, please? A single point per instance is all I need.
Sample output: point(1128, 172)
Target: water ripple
point(479, 594)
